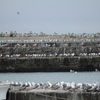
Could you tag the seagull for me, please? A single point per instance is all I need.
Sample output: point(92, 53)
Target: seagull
point(17, 12)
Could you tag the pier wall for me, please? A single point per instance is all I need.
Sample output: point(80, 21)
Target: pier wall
point(47, 48)
point(54, 95)
point(49, 53)
point(50, 64)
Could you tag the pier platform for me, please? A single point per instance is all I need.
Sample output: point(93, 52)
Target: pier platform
point(46, 94)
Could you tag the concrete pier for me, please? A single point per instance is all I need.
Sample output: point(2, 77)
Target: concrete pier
point(39, 94)
point(49, 53)
point(53, 64)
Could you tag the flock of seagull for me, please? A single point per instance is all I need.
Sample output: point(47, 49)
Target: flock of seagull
point(52, 55)
point(66, 86)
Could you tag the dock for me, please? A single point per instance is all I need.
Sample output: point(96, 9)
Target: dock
point(40, 94)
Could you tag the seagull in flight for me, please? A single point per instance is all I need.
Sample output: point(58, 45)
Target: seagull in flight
point(17, 12)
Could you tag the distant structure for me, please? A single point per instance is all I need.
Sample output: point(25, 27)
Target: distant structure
point(36, 45)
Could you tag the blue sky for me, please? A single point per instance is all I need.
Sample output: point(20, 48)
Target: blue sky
point(49, 16)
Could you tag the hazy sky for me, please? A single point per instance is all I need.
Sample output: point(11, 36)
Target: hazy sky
point(49, 16)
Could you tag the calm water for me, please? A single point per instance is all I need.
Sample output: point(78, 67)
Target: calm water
point(82, 77)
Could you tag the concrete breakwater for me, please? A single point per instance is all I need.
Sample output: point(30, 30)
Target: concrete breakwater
point(50, 45)
point(49, 53)
point(56, 91)
point(48, 49)
point(53, 95)
point(49, 64)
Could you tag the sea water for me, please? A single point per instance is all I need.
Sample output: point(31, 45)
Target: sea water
point(37, 77)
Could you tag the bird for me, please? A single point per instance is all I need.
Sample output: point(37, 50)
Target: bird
point(17, 12)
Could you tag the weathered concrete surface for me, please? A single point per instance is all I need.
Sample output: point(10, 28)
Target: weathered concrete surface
point(54, 45)
point(53, 95)
point(23, 48)
point(52, 64)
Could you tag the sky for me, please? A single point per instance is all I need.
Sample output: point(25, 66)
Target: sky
point(49, 16)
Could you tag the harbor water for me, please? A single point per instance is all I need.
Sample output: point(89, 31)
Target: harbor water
point(88, 77)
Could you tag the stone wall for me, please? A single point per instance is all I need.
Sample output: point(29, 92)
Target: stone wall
point(58, 95)
point(49, 48)
point(49, 44)
point(49, 53)
point(51, 64)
